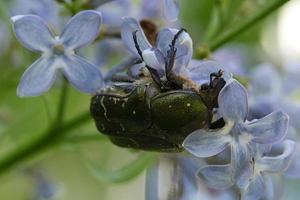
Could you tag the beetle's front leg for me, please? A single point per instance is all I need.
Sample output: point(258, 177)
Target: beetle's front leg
point(171, 53)
point(154, 74)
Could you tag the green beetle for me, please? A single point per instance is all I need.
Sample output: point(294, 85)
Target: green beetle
point(147, 113)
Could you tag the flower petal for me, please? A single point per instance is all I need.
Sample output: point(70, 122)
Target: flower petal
point(113, 11)
point(171, 9)
point(217, 176)
point(200, 71)
point(233, 102)
point(82, 29)
point(256, 188)
point(183, 45)
point(278, 163)
point(82, 74)
point(129, 26)
point(269, 129)
point(240, 162)
point(154, 59)
point(293, 171)
point(203, 143)
point(38, 78)
point(32, 32)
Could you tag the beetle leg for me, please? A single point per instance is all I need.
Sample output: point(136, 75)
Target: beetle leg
point(171, 53)
point(215, 75)
point(154, 74)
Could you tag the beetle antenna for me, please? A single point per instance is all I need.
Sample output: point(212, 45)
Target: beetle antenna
point(136, 44)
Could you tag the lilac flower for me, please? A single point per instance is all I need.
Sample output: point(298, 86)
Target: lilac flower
point(263, 164)
point(259, 184)
point(156, 56)
point(58, 53)
point(46, 9)
point(173, 177)
point(235, 58)
point(237, 134)
point(274, 94)
point(113, 11)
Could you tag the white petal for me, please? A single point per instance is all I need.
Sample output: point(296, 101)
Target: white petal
point(38, 78)
point(154, 59)
point(82, 29)
point(32, 32)
point(82, 74)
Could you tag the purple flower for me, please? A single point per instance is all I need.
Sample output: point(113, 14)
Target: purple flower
point(46, 9)
point(173, 177)
point(58, 53)
point(238, 135)
point(260, 183)
point(156, 56)
point(163, 10)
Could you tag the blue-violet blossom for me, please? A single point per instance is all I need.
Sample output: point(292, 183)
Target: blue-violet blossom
point(155, 56)
point(58, 53)
point(237, 134)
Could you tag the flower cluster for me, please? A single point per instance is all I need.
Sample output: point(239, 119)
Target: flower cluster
point(249, 144)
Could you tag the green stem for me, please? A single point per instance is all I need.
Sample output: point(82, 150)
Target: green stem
point(50, 137)
point(264, 12)
point(62, 103)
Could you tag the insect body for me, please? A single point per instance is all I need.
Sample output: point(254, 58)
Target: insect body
point(152, 113)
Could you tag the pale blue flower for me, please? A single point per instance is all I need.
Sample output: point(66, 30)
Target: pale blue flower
point(173, 177)
point(260, 183)
point(58, 53)
point(171, 9)
point(237, 134)
point(162, 10)
point(156, 56)
point(46, 9)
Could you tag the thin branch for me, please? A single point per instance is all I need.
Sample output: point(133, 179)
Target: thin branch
point(44, 141)
point(248, 23)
